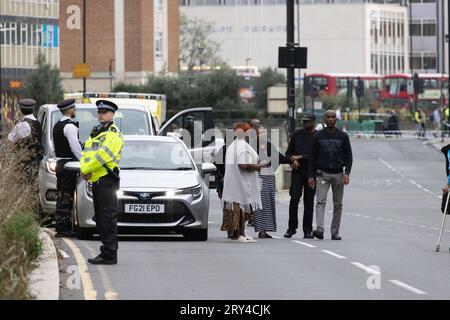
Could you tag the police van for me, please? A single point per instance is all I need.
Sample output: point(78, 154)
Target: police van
point(138, 114)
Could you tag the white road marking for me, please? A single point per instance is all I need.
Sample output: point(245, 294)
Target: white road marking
point(422, 226)
point(111, 295)
point(365, 268)
point(277, 237)
point(64, 254)
point(368, 217)
point(379, 219)
point(411, 224)
point(400, 221)
point(358, 215)
point(426, 190)
point(88, 287)
point(435, 228)
point(304, 244)
point(331, 253)
point(407, 287)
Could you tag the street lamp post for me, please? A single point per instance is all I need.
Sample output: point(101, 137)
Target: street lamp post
point(290, 43)
point(84, 42)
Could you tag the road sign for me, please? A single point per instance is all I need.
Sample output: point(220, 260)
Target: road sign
point(292, 57)
point(82, 70)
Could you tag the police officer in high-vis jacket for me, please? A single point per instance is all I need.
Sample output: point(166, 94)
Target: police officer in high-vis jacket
point(67, 148)
point(27, 136)
point(100, 166)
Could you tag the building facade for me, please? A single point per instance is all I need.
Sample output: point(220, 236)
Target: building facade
point(27, 27)
point(341, 36)
point(425, 18)
point(126, 40)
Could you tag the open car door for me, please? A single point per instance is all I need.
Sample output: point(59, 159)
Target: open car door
point(195, 127)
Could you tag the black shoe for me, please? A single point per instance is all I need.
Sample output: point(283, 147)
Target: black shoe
point(289, 233)
point(101, 260)
point(308, 236)
point(66, 234)
point(317, 234)
point(336, 237)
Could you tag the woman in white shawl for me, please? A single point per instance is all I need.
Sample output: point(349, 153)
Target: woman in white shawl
point(241, 191)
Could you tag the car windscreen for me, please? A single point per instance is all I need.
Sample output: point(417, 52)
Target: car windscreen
point(155, 155)
point(129, 121)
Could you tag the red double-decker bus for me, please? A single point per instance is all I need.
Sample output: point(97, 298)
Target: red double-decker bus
point(333, 83)
point(398, 88)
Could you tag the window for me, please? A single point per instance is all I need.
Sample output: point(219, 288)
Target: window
point(429, 62)
point(429, 28)
point(23, 34)
point(415, 28)
point(416, 62)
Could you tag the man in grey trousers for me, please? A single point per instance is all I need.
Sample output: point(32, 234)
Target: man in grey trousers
point(330, 164)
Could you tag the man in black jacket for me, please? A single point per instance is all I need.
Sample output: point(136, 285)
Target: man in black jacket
point(331, 154)
point(298, 152)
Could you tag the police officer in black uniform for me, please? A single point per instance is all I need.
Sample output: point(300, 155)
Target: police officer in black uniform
point(27, 136)
point(67, 148)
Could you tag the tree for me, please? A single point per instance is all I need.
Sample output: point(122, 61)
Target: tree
point(44, 83)
point(269, 77)
point(196, 48)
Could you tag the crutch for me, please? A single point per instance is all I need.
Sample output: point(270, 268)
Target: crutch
point(443, 223)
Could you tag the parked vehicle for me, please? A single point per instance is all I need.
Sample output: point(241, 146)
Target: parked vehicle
point(161, 191)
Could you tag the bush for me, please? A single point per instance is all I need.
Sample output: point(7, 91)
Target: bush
point(20, 245)
point(22, 228)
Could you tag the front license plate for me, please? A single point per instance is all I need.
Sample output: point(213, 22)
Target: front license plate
point(144, 208)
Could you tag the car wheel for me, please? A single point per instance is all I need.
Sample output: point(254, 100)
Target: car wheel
point(84, 233)
point(196, 235)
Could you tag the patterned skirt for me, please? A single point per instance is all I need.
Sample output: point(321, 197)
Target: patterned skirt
point(265, 218)
point(231, 218)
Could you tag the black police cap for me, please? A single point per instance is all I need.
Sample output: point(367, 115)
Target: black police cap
point(27, 105)
point(307, 116)
point(66, 104)
point(108, 105)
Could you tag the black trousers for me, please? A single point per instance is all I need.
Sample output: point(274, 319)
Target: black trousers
point(66, 182)
point(299, 185)
point(105, 206)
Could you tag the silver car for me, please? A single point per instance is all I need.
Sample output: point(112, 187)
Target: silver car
point(161, 191)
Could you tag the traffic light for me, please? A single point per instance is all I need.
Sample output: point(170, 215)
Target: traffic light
point(360, 88)
point(314, 88)
point(349, 88)
point(418, 84)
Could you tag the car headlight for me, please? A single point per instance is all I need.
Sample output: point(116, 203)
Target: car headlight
point(50, 164)
point(89, 189)
point(196, 192)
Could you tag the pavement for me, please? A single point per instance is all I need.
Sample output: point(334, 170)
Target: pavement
point(44, 279)
point(390, 227)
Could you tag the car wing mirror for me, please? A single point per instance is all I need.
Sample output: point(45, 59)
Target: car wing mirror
point(72, 166)
point(208, 168)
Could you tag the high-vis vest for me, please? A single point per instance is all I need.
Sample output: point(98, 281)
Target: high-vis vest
point(100, 151)
point(447, 114)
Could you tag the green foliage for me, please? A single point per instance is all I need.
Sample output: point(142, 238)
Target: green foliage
point(22, 228)
point(196, 48)
point(218, 89)
point(44, 83)
point(269, 77)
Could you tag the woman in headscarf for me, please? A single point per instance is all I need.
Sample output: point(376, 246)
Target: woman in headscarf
point(241, 190)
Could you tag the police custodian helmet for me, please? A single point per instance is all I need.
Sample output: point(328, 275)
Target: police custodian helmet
point(27, 106)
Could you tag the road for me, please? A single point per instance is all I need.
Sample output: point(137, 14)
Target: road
point(389, 228)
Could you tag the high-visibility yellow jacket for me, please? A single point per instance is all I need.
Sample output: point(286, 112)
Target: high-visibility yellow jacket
point(100, 150)
point(417, 117)
point(447, 114)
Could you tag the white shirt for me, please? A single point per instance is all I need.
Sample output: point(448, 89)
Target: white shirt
point(21, 130)
point(241, 186)
point(71, 133)
point(437, 117)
